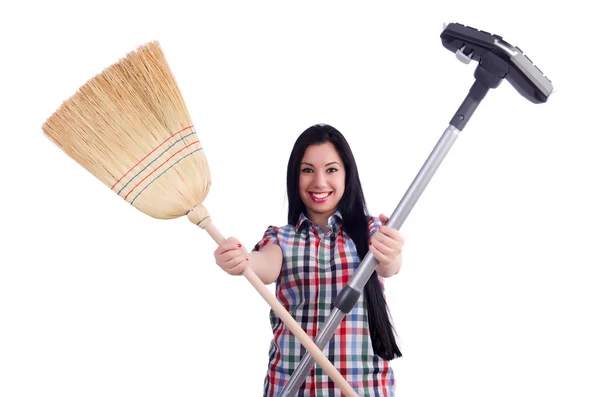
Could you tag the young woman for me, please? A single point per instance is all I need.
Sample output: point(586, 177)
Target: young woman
point(313, 257)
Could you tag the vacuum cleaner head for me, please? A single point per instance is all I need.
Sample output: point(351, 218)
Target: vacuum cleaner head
point(499, 57)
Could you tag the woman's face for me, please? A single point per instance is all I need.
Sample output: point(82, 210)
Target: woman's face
point(322, 180)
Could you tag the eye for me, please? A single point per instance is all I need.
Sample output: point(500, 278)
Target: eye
point(332, 169)
point(306, 170)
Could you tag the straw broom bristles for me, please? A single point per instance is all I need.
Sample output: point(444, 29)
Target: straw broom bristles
point(129, 126)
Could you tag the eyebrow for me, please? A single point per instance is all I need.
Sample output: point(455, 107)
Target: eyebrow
point(326, 165)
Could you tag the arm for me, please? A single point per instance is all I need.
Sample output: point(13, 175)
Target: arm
point(386, 245)
point(267, 262)
point(391, 269)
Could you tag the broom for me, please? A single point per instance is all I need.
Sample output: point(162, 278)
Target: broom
point(130, 128)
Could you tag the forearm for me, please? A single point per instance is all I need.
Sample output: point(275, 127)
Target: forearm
point(266, 263)
point(391, 269)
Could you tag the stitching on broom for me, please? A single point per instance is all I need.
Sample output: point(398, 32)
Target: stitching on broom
point(186, 128)
point(202, 220)
point(171, 166)
point(157, 157)
point(163, 163)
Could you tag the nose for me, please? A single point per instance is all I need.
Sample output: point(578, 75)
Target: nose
point(320, 179)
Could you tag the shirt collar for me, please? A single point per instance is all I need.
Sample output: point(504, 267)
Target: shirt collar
point(333, 221)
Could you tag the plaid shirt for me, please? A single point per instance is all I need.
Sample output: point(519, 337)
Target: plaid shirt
point(317, 264)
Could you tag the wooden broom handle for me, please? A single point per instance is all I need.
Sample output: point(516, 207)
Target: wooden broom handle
point(288, 320)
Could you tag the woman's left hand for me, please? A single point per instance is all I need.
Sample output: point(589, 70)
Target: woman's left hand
point(386, 245)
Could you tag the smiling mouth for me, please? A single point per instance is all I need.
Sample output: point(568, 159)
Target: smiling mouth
point(320, 197)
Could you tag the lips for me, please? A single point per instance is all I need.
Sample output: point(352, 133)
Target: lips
point(319, 197)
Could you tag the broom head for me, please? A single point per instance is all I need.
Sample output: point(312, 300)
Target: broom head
point(129, 127)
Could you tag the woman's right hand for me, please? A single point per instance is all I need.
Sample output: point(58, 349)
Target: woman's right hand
point(232, 257)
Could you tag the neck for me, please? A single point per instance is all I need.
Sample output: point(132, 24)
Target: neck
point(320, 218)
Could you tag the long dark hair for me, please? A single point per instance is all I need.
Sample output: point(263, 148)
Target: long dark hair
point(354, 213)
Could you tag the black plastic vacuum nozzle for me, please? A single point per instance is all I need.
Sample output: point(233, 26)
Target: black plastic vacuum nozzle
point(498, 57)
point(498, 60)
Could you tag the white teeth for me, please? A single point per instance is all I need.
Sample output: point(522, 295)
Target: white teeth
point(320, 195)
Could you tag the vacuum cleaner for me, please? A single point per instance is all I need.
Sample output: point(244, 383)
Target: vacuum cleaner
point(498, 60)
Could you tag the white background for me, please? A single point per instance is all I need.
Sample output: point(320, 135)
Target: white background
point(499, 291)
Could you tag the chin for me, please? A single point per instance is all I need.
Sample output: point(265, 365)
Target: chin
point(319, 210)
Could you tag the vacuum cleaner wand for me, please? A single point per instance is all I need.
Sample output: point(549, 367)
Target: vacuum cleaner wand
point(498, 60)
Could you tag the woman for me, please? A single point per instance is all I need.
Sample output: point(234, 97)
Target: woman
point(313, 257)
